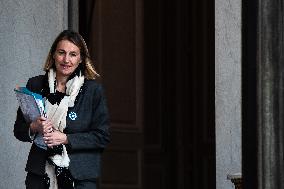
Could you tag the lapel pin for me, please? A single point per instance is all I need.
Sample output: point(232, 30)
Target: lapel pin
point(72, 115)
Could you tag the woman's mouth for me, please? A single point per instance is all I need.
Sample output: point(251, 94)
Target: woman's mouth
point(65, 66)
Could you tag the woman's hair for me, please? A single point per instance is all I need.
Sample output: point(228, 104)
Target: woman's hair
point(87, 64)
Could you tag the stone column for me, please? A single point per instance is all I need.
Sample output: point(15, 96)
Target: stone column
point(73, 15)
point(227, 90)
point(270, 94)
point(27, 29)
point(263, 94)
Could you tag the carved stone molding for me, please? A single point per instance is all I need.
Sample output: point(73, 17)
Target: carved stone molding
point(236, 179)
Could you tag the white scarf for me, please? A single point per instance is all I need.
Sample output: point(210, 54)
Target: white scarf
point(57, 114)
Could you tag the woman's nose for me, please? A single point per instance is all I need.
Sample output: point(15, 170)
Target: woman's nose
point(66, 58)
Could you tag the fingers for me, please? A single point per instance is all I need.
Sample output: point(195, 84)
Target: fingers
point(50, 142)
point(41, 125)
point(48, 139)
point(36, 125)
point(54, 138)
point(47, 126)
point(42, 118)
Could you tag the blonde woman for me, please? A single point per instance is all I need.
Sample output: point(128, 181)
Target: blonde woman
point(67, 145)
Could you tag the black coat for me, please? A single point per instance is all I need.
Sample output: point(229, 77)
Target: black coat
point(87, 135)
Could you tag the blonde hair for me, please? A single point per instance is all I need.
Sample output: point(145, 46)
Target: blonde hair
point(89, 70)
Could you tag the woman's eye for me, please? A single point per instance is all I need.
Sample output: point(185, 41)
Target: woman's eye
point(60, 52)
point(73, 54)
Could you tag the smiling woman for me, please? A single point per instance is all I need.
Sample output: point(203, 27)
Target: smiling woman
point(67, 144)
point(72, 47)
point(67, 58)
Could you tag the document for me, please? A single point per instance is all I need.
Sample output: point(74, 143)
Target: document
point(31, 104)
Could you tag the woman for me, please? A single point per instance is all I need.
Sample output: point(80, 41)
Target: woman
point(67, 145)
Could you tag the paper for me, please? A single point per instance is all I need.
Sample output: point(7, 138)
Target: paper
point(31, 104)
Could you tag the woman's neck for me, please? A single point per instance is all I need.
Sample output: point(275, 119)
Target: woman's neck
point(61, 83)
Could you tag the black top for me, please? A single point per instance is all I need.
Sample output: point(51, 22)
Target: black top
point(87, 132)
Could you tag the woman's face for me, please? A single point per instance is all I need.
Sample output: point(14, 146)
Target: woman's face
point(67, 58)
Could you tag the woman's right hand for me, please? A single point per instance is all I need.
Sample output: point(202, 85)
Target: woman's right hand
point(41, 125)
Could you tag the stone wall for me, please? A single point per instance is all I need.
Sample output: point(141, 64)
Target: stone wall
point(227, 90)
point(27, 29)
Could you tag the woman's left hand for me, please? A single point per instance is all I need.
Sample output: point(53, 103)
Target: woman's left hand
point(55, 138)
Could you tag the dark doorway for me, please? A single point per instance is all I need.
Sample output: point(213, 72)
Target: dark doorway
point(179, 93)
point(157, 61)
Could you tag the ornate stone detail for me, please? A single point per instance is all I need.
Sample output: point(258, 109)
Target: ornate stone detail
point(236, 179)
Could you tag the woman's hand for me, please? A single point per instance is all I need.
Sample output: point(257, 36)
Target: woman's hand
point(55, 138)
point(41, 125)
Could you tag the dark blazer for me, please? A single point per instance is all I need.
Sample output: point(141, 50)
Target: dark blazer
point(87, 135)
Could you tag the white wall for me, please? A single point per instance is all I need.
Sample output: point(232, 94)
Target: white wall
point(27, 29)
point(228, 90)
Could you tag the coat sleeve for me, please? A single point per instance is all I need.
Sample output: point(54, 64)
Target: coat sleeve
point(21, 127)
point(98, 136)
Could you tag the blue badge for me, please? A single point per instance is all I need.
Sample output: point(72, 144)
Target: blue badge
point(72, 115)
